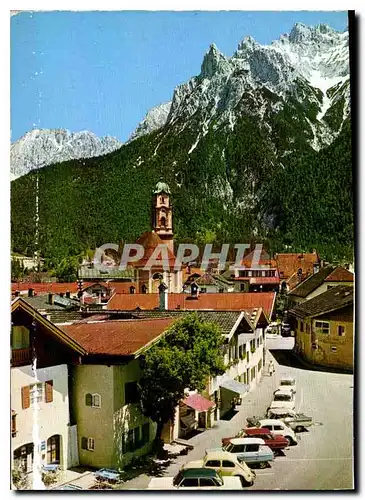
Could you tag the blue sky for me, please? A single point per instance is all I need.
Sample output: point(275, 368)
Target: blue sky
point(102, 71)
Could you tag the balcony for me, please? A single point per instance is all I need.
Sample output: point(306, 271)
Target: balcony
point(20, 357)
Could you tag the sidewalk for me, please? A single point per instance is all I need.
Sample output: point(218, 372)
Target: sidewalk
point(255, 403)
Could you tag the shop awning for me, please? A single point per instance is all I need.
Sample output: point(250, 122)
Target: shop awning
point(198, 403)
point(234, 386)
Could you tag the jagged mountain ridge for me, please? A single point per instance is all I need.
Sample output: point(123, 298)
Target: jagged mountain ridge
point(41, 147)
point(315, 59)
point(231, 150)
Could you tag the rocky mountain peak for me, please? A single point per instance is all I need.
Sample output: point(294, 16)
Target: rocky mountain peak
point(41, 147)
point(214, 62)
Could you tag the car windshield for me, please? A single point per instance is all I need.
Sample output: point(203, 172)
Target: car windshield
point(282, 397)
point(287, 382)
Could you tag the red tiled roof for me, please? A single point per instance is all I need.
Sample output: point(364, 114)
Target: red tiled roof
point(40, 288)
point(340, 274)
point(211, 301)
point(264, 260)
point(121, 287)
point(198, 403)
point(117, 338)
point(289, 263)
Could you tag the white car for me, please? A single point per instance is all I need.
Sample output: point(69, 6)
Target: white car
point(283, 399)
point(226, 464)
point(288, 382)
point(278, 428)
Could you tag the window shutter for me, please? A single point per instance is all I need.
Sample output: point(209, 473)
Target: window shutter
point(88, 399)
point(96, 401)
point(25, 397)
point(49, 391)
point(84, 443)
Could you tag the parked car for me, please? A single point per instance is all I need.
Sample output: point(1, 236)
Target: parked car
point(297, 421)
point(274, 442)
point(111, 475)
point(276, 427)
point(288, 382)
point(225, 464)
point(283, 399)
point(250, 450)
point(193, 479)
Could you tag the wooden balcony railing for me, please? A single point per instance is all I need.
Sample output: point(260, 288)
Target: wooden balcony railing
point(21, 357)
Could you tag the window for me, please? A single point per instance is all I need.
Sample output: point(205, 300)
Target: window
point(131, 393)
point(203, 290)
point(253, 370)
point(242, 287)
point(36, 393)
point(20, 337)
point(213, 463)
point(93, 400)
point(190, 482)
point(132, 440)
point(221, 290)
point(252, 447)
point(259, 365)
point(206, 481)
point(227, 463)
point(278, 428)
point(333, 349)
point(301, 326)
point(322, 327)
point(88, 443)
point(341, 331)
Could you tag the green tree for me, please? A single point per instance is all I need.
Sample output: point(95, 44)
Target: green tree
point(186, 356)
point(17, 270)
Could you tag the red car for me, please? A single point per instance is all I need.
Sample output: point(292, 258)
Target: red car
point(273, 442)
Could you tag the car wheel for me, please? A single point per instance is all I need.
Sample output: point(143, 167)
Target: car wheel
point(300, 428)
point(290, 439)
point(262, 465)
point(243, 480)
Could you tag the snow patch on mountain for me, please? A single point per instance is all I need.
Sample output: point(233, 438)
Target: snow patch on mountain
point(41, 147)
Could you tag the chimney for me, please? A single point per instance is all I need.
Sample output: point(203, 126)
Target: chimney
point(30, 292)
point(50, 299)
point(163, 296)
point(194, 290)
point(68, 294)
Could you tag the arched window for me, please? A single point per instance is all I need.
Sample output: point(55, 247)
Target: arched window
point(132, 289)
point(163, 221)
point(157, 276)
point(93, 400)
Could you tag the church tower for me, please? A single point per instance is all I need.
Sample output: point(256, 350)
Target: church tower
point(162, 214)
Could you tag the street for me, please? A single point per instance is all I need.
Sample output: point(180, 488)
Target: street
point(322, 460)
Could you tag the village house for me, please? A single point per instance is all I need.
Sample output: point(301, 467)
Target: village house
point(324, 329)
point(35, 339)
point(321, 281)
point(296, 267)
point(254, 278)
